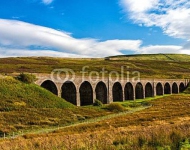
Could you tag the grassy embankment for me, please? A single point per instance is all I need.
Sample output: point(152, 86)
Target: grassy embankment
point(150, 66)
point(28, 106)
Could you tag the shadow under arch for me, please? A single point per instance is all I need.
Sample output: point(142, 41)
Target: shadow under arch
point(159, 89)
point(181, 87)
point(101, 92)
point(148, 90)
point(117, 92)
point(69, 92)
point(50, 86)
point(139, 93)
point(167, 88)
point(174, 88)
point(129, 91)
point(86, 94)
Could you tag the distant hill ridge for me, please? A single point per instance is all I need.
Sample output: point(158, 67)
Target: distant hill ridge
point(158, 57)
point(170, 66)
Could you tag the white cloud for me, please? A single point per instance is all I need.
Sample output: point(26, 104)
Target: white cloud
point(47, 1)
point(18, 38)
point(165, 49)
point(5, 52)
point(23, 39)
point(155, 49)
point(173, 16)
point(138, 6)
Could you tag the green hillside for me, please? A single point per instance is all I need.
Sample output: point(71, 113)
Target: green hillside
point(15, 94)
point(28, 106)
point(149, 66)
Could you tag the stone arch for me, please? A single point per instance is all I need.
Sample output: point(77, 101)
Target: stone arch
point(86, 94)
point(174, 88)
point(117, 92)
point(159, 89)
point(139, 93)
point(69, 92)
point(181, 87)
point(148, 90)
point(50, 86)
point(101, 92)
point(129, 91)
point(167, 88)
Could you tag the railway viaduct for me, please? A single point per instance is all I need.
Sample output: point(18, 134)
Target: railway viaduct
point(84, 90)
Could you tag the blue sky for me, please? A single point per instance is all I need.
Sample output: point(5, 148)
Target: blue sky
point(88, 28)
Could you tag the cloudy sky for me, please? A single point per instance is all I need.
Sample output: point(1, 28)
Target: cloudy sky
point(93, 28)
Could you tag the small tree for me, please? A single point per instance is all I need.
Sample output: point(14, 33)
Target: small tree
point(26, 78)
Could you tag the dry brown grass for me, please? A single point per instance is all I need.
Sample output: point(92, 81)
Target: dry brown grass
point(164, 125)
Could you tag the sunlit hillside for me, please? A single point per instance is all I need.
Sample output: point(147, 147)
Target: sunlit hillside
point(149, 66)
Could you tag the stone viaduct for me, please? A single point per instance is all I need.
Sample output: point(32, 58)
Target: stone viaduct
point(84, 90)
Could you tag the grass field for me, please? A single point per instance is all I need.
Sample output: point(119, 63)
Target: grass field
point(43, 121)
point(165, 125)
point(154, 66)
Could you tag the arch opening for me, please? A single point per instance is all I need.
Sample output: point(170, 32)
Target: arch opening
point(167, 88)
point(117, 92)
point(159, 89)
point(69, 92)
point(129, 92)
point(139, 91)
point(148, 90)
point(50, 86)
point(181, 87)
point(174, 88)
point(86, 94)
point(101, 92)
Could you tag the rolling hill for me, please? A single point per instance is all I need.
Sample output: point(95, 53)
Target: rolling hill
point(149, 66)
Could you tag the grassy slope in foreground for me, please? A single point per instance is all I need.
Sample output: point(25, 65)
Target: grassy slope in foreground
point(149, 66)
point(24, 106)
point(17, 95)
point(164, 126)
point(28, 106)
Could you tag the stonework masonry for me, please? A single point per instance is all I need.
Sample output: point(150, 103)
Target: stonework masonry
point(84, 90)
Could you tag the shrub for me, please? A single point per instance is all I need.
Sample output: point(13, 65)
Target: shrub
point(134, 104)
point(97, 103)
point(185, 144)
point(26, 78)
point(116, 107)
point(145, 103)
